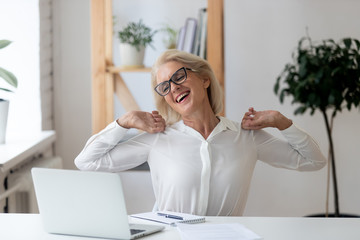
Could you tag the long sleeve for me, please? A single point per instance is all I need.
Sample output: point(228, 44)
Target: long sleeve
point(191, 174)
point(107, 150)
point(300, 151)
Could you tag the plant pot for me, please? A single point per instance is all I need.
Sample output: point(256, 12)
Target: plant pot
point(130, 57)
point(332, 215)
point(4, 109)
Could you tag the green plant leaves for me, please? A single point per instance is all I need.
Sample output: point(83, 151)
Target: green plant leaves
point(5, 89)
point(323, 75)
point(137, 34)
point(347, 42)
point(300, 110)
point(4, 43)
point(6, 75)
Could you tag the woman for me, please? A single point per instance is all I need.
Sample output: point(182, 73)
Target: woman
point(200, 163)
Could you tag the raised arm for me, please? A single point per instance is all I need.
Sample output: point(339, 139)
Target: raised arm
point(254, 120)
point(108, 150)
point(300, 151)
point(149, 122)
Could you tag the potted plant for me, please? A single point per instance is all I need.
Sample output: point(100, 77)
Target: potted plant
point(324, 76)
point(170, 36)
point(134, 38)
point(4, 104)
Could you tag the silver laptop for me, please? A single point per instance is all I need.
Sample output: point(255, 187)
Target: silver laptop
point(82, 203)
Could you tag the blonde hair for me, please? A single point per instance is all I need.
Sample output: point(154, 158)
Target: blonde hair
point(200, 67)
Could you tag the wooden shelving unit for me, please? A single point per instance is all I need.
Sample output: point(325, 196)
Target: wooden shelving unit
point(113, 69)
point(106, 78)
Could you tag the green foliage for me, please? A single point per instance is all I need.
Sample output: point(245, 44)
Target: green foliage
point(170, 36)
point(323, 76)
point(137, 34)
point(4, 74)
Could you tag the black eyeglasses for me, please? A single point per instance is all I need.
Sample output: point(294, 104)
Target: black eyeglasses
point(177, 78)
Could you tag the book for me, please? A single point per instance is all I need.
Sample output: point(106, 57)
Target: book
point(180, 39)
point(199, 31)
point(203, 34)
point(168, 217)
point(190, 33)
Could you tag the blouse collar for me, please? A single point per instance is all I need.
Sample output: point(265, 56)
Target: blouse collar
point(224, 124)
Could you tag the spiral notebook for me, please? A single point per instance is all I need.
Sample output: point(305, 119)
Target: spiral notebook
point(168, 217)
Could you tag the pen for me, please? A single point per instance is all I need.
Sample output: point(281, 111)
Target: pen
point(170, 216)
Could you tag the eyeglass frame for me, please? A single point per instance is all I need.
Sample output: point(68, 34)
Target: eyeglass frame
point(170, 80)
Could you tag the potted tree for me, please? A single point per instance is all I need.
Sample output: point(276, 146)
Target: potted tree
point(4, 104)
point(324, 76)
point(134, 38)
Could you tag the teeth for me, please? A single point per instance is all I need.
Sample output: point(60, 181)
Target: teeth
point(181, 96)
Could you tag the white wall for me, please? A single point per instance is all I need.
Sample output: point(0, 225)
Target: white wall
point(72, 77)
point(259, 38)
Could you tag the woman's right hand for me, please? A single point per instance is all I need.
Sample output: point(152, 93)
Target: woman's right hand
point(149, 122)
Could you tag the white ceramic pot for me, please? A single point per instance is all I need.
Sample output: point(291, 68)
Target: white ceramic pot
point(130, 57)
point(4, 109)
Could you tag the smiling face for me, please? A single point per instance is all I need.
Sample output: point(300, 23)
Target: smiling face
point(188, 97)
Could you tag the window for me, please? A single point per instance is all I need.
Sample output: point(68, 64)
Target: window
point(20, 23)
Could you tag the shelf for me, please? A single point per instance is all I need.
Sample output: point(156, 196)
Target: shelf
point(106, 78)
point(113, 69)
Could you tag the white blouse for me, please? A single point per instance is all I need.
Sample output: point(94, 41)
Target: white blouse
point(200, 176)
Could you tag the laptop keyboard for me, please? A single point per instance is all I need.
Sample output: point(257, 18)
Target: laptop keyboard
point(135, 231)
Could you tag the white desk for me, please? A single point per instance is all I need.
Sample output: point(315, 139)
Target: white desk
point(29, 227)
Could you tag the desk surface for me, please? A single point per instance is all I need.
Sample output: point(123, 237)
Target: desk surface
point(29, 226)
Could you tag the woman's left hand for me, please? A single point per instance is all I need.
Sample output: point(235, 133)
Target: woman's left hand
point(254, 120)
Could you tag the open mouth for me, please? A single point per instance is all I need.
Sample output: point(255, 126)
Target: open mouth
point(182, 96)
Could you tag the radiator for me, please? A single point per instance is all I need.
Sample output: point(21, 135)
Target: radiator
point(20, 193)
